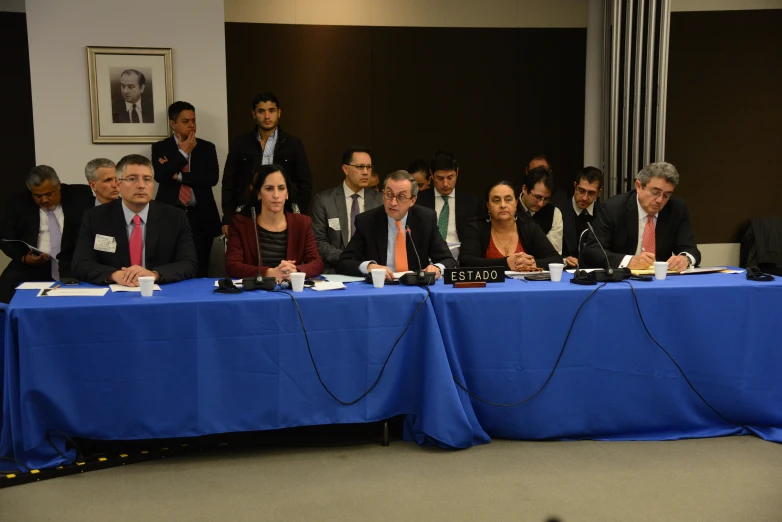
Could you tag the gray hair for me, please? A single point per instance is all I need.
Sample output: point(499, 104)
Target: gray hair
point(91, 170)
point(39, 174)
point(660, 169)
point(401, 175)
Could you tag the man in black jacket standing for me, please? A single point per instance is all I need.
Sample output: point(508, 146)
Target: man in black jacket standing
point(186, 168)
point(267, 143)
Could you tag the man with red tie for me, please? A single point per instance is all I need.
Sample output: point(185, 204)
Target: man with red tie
point(186, 168)
point(134, 236)
point(645, 225)
point(385, 236)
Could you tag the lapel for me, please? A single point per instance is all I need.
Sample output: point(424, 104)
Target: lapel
point(151, 237)
point(631, 221)
point(415, 236)
point(341, 204)
point(569, 226)
point(119, 231)
point(381, 230)
point(660, 230)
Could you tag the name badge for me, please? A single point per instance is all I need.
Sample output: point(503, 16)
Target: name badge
point(105, 244)
point(334, 224)
point(493, 274)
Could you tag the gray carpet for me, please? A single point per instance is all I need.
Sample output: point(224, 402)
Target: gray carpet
point(729, 479)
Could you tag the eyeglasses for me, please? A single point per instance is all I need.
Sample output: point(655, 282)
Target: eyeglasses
point(540, 199)
point(135, 180)
point(582, 192)
point(657, 193)
point(401, 198)
point(361, 167)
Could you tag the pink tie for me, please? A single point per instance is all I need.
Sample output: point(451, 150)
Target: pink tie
point(136, 244)
point(649, 241)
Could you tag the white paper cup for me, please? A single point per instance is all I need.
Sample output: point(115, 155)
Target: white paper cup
point(378, 277)
point(147, 284)
point(660, 270)
point(555, 269)
point(297, 281)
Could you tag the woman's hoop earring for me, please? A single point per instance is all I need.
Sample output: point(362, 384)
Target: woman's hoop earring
point(488, 218)
point(516, 216)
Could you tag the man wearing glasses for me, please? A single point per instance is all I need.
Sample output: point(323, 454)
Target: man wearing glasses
point(134, 236)
point(535, 196)
point(645, 225)
point(388, 237)
point(334, 210)
point(579, 211)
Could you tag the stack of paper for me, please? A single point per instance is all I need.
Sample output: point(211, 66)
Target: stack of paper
point(120, 288)
point(72, 292)
point(335, 285)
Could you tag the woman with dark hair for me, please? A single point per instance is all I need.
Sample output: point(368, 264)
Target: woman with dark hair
point(286, 239)
point(506, 237)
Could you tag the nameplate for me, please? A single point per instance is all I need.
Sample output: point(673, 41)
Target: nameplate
point(492, 274)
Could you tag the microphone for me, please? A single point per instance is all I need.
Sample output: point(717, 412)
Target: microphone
point(258, 282)
point(410, 236)
point(421, 278)
point(579, 277)
point(609, 270)
point(227, 286)
point(610, 274)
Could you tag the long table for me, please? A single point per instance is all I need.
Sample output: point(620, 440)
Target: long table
point(188, 362)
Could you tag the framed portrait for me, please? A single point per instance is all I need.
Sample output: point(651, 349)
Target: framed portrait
point(130, 91)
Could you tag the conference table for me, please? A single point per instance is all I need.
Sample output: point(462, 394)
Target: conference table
point(189, 362)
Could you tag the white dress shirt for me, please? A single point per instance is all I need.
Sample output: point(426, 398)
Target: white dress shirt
point(643, 217)
point(391, 250)
point(555, 234)
point(452, 237)
point(129, 110)
point(349, 203)
point(43, 229)
point(590, 209)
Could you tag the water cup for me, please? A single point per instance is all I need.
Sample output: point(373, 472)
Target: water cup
point(555, 269)
point(147, 284)
point(378, 277)
point(297, 281)
point(660, 270)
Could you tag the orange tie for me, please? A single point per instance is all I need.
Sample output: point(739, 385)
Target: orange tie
point(400, 249)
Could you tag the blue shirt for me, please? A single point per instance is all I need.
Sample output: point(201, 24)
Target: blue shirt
point(129, 227)
point(268, 150)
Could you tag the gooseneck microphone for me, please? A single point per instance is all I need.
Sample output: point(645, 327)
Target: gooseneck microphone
point(609, 270)
point(258, 282)
point(581, 277)
point(421, 278)
point(410, 236)
point(610, 275)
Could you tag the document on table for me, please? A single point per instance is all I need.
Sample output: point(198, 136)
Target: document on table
point(72, 292)
point(35, 286)
point(237, 282)
point(397, 275)
point(520, 275)
point(339, 278)
point(120, 288)
point(587, 270)
point(329, 285)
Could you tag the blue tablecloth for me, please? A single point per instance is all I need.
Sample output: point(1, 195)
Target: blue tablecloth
point(613, 382)
point(188, 362)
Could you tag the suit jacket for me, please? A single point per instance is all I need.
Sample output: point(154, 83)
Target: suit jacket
point(331, 204)
point(467, 208)
point(370, 242)
point(533, 240)
point(120, 115)
point(203, 175)
point(569, 235)
point(241, 257)
point(289, 153)
point(169, 247)
point(616, 226)
point(22, 221)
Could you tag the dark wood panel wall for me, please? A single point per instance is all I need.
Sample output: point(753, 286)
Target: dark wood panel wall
point(495, 97)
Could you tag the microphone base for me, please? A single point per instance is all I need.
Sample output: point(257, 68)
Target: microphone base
point(259, 283)
point(421, 278)
point(227, 286)
point(614, 275)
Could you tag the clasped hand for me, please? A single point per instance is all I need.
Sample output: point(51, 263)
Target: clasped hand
point(128, 276)
point(521, 262)
point(282, 271)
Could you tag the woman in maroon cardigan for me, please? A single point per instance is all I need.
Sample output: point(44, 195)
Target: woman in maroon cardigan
point(286, 239)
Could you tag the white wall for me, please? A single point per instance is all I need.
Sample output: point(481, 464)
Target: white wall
point(58, 34)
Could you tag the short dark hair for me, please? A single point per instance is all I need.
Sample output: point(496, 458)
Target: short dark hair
point(260, 173)
point(537, 175)
point(497, 184)
point(419, 165)
point(39, 174)
point(590, 174)
point(132, 159)
point(266, 97)
point(443, 160)
point(142, 80)
point(347, 156)
point(541, 157)
point(177, 107)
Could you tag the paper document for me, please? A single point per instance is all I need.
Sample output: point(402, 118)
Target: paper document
point(328, 286)
point(587, 270)
point(31, 247)
point(120, 288)
point(650, 271)
point(72, 292)
point(520, 275)
point(237, 282)
point(397, 275)
point(35, 286)
point(339, 278)
point(705, 270)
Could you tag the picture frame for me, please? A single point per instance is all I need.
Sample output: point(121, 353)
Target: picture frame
point(130, 91)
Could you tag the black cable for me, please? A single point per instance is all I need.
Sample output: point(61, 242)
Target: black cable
point(382, 369)
point(550, 375)
point(73, 444)
point(712, 408)
point(19, 470)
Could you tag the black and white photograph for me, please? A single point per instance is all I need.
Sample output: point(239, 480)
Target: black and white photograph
point(131, 95)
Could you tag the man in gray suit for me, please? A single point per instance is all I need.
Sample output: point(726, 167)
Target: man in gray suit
point(334, 210)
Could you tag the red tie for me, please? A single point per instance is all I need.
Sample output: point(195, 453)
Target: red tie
point(136, 244)
point(649, 242)
point(185, 192)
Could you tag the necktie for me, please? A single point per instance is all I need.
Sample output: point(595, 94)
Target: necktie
point(442, 221)
point(353, 214)
point(55, 239)
point(400, 249)
point(136, 243)
point(185, 192)
point(134, 115)
point(529, 213)
point(584, 213)
point(649, 241)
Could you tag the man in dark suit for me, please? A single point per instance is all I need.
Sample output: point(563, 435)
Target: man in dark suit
point(186, 168)
point(134, 236)
point(334, 210)
point(268, 144)
point(558, 196)
point(534, 201)
point(643, 226)
point(381, 234)
point(133, 107)
point(580, 210)
point(453, 215)
point(47, 218)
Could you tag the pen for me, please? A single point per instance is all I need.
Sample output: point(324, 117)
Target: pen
point(55, 286)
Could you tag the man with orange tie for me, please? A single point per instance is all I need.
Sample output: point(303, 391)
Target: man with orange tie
point(186, 168)
point(385, 236)
point(645, 225)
